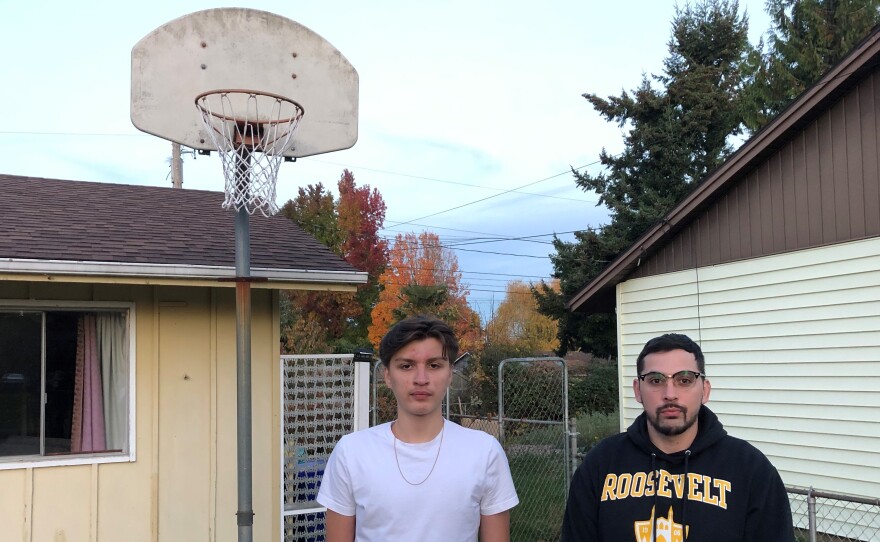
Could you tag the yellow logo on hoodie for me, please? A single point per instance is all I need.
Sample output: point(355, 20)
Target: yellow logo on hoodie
point(667, 529)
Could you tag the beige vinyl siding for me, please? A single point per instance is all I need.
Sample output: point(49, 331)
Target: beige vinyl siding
point(647, 308)
point(792, 344)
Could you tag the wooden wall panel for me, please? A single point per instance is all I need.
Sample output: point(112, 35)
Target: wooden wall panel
point(821, 187)
point(868, 99)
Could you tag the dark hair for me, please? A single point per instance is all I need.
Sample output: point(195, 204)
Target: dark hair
point(418, 328)
point(669, 342)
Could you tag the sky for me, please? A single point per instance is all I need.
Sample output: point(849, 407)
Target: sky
point(471, 113)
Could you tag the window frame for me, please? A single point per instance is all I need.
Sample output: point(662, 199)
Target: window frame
point(127, 456)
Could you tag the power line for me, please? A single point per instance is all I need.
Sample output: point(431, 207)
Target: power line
point(468, 241)
point(460, 288)
point(528, 238)
point(312, 159)
point(75, 134)
point(499, 194)
point(441, 246)
point(445, 181)
point(454, 242)
point(498, 253)
point(405, 267)
point(481, 240)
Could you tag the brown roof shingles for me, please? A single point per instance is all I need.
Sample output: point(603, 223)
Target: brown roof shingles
point(50, 219)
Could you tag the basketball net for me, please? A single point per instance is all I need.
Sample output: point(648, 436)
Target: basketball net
point(251, 131)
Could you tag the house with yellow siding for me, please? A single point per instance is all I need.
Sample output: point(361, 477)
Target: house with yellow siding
point(118, 361)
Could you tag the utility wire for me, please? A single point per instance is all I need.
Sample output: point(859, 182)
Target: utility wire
point(432, 269)
point(445, 181)
point(499, 194)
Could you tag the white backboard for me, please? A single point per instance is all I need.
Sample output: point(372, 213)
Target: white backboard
point(238, 48)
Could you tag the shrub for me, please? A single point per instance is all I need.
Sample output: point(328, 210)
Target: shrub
point(595, 392)
point(594, 427)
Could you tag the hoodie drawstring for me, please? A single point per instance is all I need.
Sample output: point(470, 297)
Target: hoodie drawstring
point(684, 500)
point(656, 479)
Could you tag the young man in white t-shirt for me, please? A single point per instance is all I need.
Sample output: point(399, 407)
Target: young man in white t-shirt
point(419, 477)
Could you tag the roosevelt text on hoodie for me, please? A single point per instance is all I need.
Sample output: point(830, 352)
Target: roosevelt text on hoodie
point(721, 489)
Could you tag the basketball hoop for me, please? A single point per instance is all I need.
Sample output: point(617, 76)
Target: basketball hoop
point(251, 131)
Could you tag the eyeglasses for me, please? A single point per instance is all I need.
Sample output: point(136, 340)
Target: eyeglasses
point(681, 379)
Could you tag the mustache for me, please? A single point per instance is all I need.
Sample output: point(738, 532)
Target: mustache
point(675, 406)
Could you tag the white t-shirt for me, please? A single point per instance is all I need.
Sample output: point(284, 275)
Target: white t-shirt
point(471, 478)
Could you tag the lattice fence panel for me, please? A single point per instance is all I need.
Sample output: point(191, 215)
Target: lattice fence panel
point(318, 409)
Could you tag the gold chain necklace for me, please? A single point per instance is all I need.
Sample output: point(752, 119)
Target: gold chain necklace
point(432, 466)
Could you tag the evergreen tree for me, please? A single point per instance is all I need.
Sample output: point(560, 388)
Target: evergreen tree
point(314, 210)
point(806, 38)
point(678, 124)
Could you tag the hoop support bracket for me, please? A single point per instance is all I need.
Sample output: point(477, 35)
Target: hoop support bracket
point(245, 518)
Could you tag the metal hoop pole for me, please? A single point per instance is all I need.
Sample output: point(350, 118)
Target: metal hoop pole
point(245, 514)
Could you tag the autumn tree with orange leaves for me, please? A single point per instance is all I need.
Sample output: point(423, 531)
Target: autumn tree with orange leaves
point(349, 226)
point(422, 277)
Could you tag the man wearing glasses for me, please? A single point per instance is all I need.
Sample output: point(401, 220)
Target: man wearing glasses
point(676, 475)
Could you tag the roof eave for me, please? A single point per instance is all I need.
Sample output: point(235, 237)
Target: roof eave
point(141, 273)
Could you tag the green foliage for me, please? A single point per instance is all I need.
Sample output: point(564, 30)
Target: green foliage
point(314, 210)
point(595, 392)
point(576, 263)
point(533, 391)
point(678, 127)
point(595, 427)
point(482, 377)
point(680, 133)
point(806, 38)
point(422, 299)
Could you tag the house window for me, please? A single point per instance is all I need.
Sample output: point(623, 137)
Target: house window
point(64, 383)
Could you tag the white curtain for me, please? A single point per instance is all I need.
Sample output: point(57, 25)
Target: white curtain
point(113, 348)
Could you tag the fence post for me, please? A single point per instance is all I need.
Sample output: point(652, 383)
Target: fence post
point(573, 443)
point(811, 514)
point(501, 402)
point(567, 451)
point(375, 392)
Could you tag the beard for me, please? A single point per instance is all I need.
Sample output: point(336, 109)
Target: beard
point(672, 430)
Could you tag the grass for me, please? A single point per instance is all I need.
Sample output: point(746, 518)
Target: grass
point(594, 427)
point(540, 484)
point(539, 472)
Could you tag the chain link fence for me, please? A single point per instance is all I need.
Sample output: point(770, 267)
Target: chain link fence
point(532, 428)
point(820, 516)
point(526, 409)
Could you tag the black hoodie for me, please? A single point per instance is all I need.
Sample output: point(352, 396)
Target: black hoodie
point(721, 489)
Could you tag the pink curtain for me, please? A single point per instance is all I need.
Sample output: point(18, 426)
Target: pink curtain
point(87, 432)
